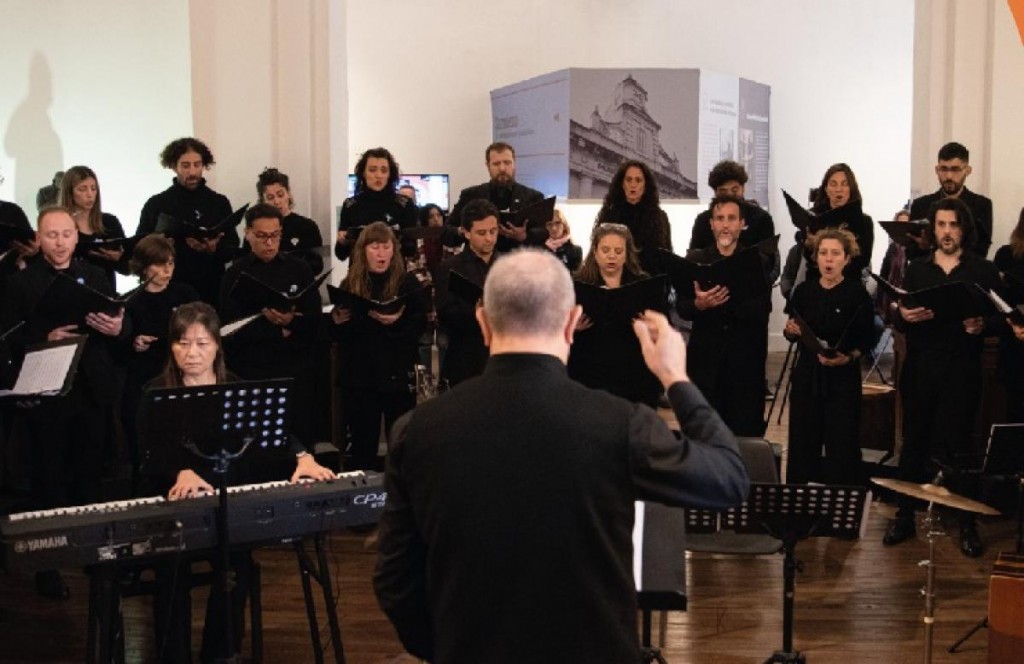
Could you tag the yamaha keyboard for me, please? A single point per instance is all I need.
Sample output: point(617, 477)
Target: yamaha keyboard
point(144, 528)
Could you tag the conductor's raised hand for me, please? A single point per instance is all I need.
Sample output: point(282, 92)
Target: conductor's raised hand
point(663, 348)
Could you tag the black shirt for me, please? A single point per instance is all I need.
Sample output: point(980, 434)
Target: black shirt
point(467, 353)
point(150, 314)
point(260, 349)
point(203, 206)
point(842, 315)
point(112, 229)
point(369, 206)
point(945, 341)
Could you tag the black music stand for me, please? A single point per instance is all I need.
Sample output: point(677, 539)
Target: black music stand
point(219, 423)
point(792, 512)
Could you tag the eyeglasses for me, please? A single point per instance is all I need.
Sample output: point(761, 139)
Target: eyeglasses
point(268, 237)
point(952, 170)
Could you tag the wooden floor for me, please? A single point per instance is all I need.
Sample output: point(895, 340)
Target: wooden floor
point(856, 601)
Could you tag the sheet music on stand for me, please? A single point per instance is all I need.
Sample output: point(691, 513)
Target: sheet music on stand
point(48, 369)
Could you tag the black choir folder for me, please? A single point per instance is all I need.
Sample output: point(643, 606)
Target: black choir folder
point(9, 232)
point(126, 244)
point(67, 301)
point(462, 287)
point(817, 345)
point(954, 300)
point(343, 299)
point(255, 294)
point(536, 215)
point(904, 232)
point(743, 273)
point(848, 215)
point(623, 304)
point(1014, 313)
point(48, 369)
point(173, 227)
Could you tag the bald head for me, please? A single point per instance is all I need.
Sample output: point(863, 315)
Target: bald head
point(528, 293)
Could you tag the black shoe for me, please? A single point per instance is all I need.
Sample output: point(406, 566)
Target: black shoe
point(970, 541)
point(50, 584)
point(900, 530)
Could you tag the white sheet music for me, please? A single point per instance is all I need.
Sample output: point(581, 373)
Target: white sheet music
point(44, 371)
point(231, 328)
point(638, 544)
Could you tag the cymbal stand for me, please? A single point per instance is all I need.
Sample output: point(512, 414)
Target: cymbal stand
point(931, 525)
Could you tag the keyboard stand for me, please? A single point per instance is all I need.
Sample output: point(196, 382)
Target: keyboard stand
point(319, 571)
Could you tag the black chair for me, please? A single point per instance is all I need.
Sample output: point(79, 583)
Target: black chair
point(704, 536)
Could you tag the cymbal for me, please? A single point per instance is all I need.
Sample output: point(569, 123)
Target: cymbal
point(933, 493)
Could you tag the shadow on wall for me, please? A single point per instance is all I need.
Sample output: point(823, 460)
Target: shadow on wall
point(31, 141)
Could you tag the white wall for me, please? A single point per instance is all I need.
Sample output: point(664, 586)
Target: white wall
point(104, 83)
point(841, 74)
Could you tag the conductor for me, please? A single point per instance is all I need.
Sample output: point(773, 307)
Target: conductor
point(507, 532)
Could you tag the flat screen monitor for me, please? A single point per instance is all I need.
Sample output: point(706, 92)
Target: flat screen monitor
point(430, 187)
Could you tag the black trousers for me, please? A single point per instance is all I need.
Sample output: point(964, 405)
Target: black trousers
point(172, 610)
point(363, 409)
point(824, 412)
point(729, 368)
point(939, 407)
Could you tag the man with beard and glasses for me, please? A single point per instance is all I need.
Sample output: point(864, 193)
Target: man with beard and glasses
point(941, 378)
point(199, 263)
point(502, 190)
point(952, 170)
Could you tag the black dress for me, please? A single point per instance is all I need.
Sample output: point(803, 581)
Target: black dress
point(375, 367)
point(825, 401)
point(607, 356)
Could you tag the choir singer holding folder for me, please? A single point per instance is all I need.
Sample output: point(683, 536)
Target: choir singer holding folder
point(941, 382)
point(67, 435)
point(378, 347)
point(729, 342)
point(278, 291)
point(606, 353)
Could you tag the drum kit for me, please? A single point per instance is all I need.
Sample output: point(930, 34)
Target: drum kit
point(933, 494)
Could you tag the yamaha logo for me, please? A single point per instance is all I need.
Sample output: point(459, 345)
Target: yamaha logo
point(41, 544)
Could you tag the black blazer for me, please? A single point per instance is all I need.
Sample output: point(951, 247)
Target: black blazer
point(511, 498)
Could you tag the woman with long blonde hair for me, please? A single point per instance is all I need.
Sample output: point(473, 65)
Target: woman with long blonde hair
point(80, 193)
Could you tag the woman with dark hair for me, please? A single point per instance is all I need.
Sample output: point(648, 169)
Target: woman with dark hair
point(148, 313)
point(632, 200)
point(196, 358)
point(838, 189)
point(299, 235)
point(606, 355)
point(432, 216)
point(377, 352)
point(375, 200)
point(825, 408)
point(80, 193)
point(1009, 260)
